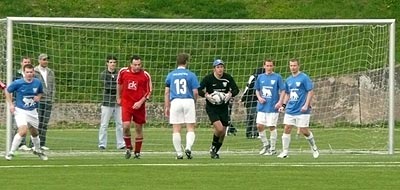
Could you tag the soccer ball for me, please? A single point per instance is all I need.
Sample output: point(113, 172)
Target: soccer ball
point(219, 97)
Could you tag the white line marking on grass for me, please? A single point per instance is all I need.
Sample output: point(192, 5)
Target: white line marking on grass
point(309, 164)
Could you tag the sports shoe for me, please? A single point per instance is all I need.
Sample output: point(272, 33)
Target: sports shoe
point(179, 157)
point(24, 148)
point(136, 155)
point(41, 155)
point(283, 154)
point(128, 153)
point(188, 154)
point(9, 156)
point(101, 148)
point(264, 149)
point(122, 148)
point(44, 148)
point(315, 153)
point(270, 153)
point(213, 154)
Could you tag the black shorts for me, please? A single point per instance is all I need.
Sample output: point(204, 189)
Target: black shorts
point(216, 113)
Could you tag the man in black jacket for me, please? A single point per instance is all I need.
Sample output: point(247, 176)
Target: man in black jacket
point(249, 100)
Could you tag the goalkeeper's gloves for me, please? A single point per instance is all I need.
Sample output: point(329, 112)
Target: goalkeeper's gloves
point(228, 97)
point(210, 98)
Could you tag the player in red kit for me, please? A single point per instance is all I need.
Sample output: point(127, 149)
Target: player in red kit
point(133, 90)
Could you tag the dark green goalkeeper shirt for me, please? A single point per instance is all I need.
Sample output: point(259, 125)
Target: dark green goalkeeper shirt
point(109, 80)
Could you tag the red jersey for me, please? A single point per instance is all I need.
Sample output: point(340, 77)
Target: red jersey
point(135, 86)
point(2, 85)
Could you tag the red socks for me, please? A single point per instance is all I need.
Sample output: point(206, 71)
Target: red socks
point(128, 142)
point(138, 144)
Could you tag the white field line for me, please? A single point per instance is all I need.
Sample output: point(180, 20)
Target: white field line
point(309, 164)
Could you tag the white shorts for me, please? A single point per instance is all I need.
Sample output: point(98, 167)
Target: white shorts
point(267, 119)
point(25, 117)
point(302, 120)
point(182, 111)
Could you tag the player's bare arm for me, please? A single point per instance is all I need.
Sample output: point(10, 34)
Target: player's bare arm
point(139, 103)
point(37, 97)
point(284, 102)
point(280, 101)
point(166, 102)
point(119, 89)
point(9, 101)
point(195, 95)
point(306, 105)
point(259, 98)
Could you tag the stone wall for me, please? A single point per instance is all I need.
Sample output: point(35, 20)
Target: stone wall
point(358, 99)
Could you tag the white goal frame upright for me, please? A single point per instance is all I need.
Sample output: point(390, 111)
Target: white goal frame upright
point(389, 22)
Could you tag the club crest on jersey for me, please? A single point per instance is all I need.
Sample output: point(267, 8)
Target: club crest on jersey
point(298, 84)
point(225, 84)
point(272, 82)
point(34, 90)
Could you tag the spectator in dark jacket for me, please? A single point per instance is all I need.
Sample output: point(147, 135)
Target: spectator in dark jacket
point(249, 100)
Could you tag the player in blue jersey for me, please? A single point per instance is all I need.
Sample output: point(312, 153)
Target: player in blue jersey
point(297, 105)
point(180, 98)
point(28, 91)
point(270, 93)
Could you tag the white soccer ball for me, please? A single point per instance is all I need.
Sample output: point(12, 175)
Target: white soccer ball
point(219, 97)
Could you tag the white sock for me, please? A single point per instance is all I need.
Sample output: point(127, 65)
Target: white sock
point(263, 138)
point(311, 140)
point(16, 142)
point(36, 142)
point(272, 138)
point(285, 142)
point(176, 140)
point(190, 137)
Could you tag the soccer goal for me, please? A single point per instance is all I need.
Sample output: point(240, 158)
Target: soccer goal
point(350, 61)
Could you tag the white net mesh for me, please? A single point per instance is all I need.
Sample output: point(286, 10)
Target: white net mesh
point(348, 64)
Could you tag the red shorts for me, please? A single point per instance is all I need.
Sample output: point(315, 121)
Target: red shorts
point(138, 116)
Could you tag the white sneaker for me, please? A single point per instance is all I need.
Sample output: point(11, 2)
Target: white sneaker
point(41, 155)
point(283, 154)
point(315, 153)
point(24, 148)
point(270, 153)
point(44, 148)
point(9, 156)
point(264, 149)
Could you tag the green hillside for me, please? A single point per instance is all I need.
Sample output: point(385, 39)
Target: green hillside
point(255, 9)
point(250, 9)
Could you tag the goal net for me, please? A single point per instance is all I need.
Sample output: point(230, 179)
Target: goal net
point(347, 61)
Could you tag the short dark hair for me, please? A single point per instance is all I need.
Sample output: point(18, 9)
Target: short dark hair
point(111, 57)
point(294, 60)
point(135, 57)
point(28, 66)
point(25, 57)
point(182, 59)
point(269, 60)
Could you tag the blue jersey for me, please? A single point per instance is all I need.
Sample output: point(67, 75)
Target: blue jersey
point(269, 86)
point(181, 83)
point(298, 87)
point(25, 91)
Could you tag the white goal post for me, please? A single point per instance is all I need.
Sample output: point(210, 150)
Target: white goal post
point(346, 58)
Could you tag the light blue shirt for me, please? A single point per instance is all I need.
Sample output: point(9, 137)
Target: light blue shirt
point(269, 86)
point(25, 92)
point(181, 83)
point(298, 87)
